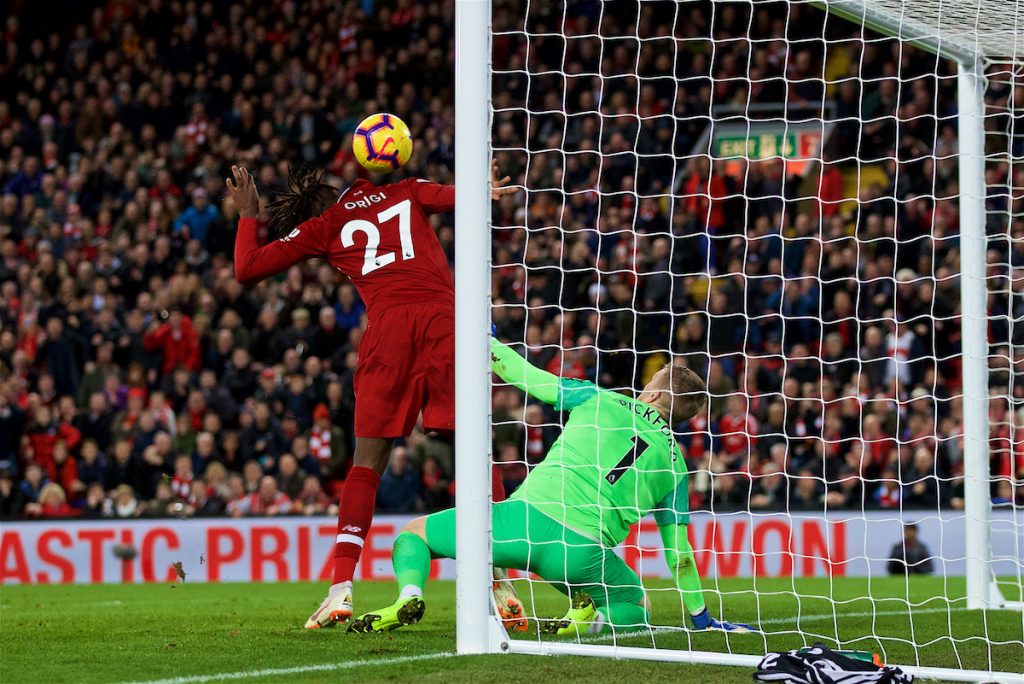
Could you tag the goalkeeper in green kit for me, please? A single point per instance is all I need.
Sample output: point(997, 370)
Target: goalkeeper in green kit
point(616, 461)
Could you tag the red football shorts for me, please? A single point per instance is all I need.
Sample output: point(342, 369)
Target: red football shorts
point(406, 365)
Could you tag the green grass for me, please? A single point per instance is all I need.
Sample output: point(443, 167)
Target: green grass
point(120, 633)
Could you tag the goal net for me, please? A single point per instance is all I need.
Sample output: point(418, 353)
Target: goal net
point(818, 207)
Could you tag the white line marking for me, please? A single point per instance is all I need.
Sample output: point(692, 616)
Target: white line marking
point(773, 621)
point(92, 604)
point(301, 669)
point(842, 616)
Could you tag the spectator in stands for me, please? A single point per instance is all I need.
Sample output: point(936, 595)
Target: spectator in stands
point(125, 503)
point(807, 493)
point(289, 478)
point(511, 465)
point(216, 478)
point(539, 434)
point(52, 503)
point(400, 485)
point(32, 485)
point(125, 468)
point(195, 222)
point(769, 490)
point(12, 420)
point(435, 485)
point(312, 500)
point(65, 470)
point(1004, 494)
point(163, 501)
point(848, 489)
point(61, 356)
point(889, 494)
point(252, 474)
point(11, 498)
point(94, 424)
point(922, 486)
point(115, 256)
point(96, 502)
point(910, 556)
point(263, 439)
point(238, 498)
point(731, 491)
point(205, 452)
point(202, 501)
point(738, 433)
point(176, 340)
point(43, 434)
point(269, 500)
point(181, 481)
point(327, 444)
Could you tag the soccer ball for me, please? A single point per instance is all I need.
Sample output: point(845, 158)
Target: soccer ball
point(382, 143)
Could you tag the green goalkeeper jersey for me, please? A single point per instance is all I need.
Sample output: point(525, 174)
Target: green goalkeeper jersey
point(615, 461)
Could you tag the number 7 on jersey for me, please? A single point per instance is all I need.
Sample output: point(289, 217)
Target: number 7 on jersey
point(640, 445)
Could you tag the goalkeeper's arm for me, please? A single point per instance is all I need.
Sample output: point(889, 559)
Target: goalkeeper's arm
point(562, 393)
point(679, 555)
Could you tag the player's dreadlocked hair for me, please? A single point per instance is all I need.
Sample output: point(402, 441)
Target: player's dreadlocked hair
point(306, 197)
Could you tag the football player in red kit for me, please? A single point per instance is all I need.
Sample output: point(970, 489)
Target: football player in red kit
point(381, 238)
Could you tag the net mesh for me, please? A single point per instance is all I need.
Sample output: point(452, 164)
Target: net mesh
point(993, 28)
point(768, 192)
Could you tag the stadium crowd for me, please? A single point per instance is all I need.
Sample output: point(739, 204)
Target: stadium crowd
point(137, 377)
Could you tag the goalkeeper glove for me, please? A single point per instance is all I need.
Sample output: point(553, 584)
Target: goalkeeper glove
point(703, 620)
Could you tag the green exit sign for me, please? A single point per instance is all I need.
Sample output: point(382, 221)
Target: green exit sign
point(791, 145)
point(756, 146)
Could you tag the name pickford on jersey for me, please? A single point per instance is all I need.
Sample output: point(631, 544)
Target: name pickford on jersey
point(650, 414)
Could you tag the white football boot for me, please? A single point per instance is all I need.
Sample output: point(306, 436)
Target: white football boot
point(335, 609)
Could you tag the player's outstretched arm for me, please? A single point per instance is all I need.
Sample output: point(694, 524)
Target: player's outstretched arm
point(254, 263)
point(517, 371)
point(562, 393)
point(434, 198)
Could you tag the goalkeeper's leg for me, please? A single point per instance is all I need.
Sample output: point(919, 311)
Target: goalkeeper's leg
point(411, 557)
point(434, 536)
point(524, 539)
point(605, 593)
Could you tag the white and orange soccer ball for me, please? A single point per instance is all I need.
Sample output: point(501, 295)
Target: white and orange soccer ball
point(382, 143)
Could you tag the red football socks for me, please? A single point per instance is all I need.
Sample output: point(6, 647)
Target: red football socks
point(355, 514)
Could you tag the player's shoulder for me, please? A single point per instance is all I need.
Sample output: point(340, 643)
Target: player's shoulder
point(617, 399)
point(362, 194)
point(574, 392)
point(405, 183)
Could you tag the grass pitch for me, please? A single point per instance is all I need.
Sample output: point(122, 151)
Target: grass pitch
point(252, 632)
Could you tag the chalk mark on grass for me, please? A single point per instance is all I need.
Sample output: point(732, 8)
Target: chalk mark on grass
point(300, 669)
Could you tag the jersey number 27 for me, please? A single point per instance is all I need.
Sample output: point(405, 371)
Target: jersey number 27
point(371, 259)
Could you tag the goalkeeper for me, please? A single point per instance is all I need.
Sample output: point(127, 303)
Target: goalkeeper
point(615, 461)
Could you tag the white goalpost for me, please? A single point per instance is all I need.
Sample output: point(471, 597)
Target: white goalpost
point(818, 205)
point(474, 625)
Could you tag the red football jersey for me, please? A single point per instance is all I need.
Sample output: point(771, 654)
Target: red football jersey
point(379, 236)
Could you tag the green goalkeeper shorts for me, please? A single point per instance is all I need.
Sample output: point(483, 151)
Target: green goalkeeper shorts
point(526, 539)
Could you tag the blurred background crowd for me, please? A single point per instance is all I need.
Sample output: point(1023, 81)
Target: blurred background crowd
point(137, 377)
